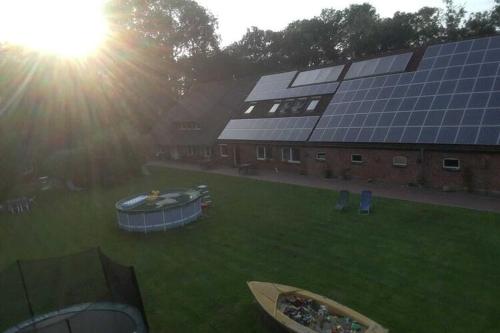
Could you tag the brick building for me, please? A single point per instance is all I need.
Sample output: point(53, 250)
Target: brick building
point(189, 130)
point(428, 116)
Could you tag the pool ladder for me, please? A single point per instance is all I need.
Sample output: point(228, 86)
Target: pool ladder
point(206, 199)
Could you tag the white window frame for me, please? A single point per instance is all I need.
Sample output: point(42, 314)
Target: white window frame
point(261, 158)
point(249, 109)
point(400, 161)
point(452, 168)
point(221, 153)
point(275, 107)
point(314, 102)
point(321, 158)
point(290, 155)
point(356, 161)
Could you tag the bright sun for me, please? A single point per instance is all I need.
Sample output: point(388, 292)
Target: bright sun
point(71, 28)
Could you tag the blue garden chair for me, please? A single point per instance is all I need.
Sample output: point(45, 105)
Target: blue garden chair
point(365, 203)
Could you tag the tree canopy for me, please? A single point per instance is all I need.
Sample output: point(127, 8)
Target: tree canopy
point(358, 31)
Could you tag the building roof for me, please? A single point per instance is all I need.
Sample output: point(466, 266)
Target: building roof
point(449, 95)
point(201, 114)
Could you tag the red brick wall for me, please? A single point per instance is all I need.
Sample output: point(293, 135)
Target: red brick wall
point(376, 165)
point(225, 160)
point(479, 171)
point(248, 154)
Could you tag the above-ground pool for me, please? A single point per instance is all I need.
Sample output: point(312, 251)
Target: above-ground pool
point(86, 318)
point(159, 211)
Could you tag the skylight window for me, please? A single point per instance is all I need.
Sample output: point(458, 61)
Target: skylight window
point(313, 104)
point(250, 109)
point(274, 107)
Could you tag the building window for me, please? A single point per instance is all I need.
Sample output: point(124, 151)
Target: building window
point(249, 109)
point(356, 159)
point(451, 164)
point(287, 106)
point(191, 150)
point(299, 105)
point(188, 126)
point(207, 152)
point(321, 156)
point(400, 161)
point(223, 151)
point(290, 155)
point(313, 104)
point(275, 107)
point(261, 152)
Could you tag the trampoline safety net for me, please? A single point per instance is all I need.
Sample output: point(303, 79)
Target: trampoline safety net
point(80, 293)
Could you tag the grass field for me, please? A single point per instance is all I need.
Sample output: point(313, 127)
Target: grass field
point(411, 267)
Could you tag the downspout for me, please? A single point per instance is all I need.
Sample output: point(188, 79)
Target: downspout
point(421, 176)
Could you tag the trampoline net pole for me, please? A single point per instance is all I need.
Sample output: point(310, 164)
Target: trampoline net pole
point(68, 325)
point(105, 273)
point(23, 281)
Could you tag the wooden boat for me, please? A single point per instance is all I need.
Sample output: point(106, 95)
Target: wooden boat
point(269, 296)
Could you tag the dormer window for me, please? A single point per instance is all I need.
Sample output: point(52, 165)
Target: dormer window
point(313, 104)
point(299, 105)
point(275, 107)
point(287, 106)
point(249, 109)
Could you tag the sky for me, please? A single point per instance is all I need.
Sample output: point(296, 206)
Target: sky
point(235, 16)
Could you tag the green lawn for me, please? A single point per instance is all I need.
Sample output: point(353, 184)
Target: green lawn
point(411, 267)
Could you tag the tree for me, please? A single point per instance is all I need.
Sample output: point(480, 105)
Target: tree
point(481, 23)
point(359, 29)
point(495, 14)
point(179, 27)
point(454, 16)
point(426, 23)
point(163, 36)
point(307, 43)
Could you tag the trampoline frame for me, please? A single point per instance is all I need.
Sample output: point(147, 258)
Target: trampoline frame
point(134, 314)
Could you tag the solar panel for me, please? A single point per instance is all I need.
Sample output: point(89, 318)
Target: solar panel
point(316, 76)
point(269, 129)
point(269, 84)
point(452, 98)
point(276, 86)
point(378, 66)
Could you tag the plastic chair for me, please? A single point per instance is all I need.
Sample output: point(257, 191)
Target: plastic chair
point(343, 200)
point(365, 203)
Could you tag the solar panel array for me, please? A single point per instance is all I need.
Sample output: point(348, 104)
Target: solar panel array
point(453, 98)
point(378, 66)
point(316, 76)
point(276, 86)
point(270, 129)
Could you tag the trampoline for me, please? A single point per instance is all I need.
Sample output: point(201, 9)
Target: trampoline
point(86, 318)
point(82, 293)
point(159, 211)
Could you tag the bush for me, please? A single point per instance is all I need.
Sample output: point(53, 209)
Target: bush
point(65, 164)
point(8, 169)
point(106, 159)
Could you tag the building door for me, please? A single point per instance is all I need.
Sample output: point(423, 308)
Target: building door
point(236, 156)
point(174, 153)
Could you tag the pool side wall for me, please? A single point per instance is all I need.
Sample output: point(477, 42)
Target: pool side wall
point(160, 220)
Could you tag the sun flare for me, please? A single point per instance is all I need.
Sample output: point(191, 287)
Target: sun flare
point(70, 28)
